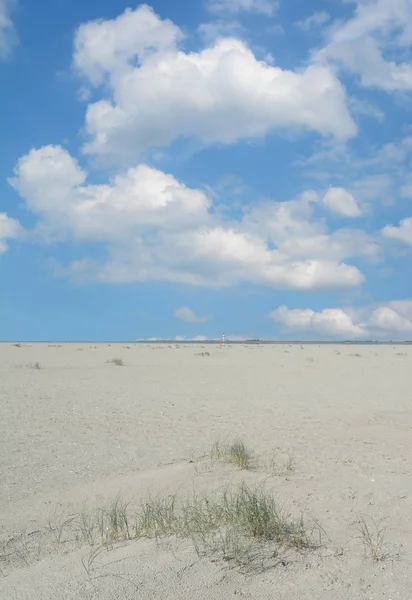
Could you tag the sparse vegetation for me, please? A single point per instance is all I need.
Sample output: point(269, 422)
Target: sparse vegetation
point(119, 362)
point(241, 525)
point(372, 535)
point(36, 365)
point(277, 466)
point(235, 452)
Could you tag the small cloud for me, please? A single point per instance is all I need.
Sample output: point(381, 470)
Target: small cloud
point(9, 229)
point(215, 30)
point(342, 202)
point(365, 108)
point(186, 314)
point(264, 7)
point(315, 20)
point(403, 233)
point(196, 338)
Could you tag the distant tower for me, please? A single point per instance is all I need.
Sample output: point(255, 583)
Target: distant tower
point(223, 338)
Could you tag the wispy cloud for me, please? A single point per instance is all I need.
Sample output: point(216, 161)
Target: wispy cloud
point(187, 314)
point(314, 20)
point(8, 36)
point(265, 7)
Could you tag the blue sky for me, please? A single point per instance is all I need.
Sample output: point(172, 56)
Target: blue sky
point(183, 169)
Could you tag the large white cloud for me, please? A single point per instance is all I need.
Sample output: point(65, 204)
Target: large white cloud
point(392, 320)
point(368, 43)
point(403, 233)
point(8, 37)
point(222, 94)
point(141, 198)
point(330, 322)
point(155, 228)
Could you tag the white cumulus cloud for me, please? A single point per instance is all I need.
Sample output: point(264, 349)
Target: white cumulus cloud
point(403, 233)
point(187, 314)
point(392, 320)
point(107, 46)
point(156, 93)
point(372, 43)
point(396, 317)
point(330, 322)
point(342, 202)
point(155, 228)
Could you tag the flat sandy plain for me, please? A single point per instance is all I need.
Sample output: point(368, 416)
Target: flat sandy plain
point(80, 430)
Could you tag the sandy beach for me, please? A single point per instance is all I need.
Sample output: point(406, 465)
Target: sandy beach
point(329, 428)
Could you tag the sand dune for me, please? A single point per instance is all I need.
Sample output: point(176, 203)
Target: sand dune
point(80, 430)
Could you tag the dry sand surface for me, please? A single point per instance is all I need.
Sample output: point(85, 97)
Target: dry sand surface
point(331, 432)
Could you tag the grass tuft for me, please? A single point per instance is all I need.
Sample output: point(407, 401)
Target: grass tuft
point(372, 535)
point(37, 366)
point(235, 452)
point(279, 467)
point(119, 362)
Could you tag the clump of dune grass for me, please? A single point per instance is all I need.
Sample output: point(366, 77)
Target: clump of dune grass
point(119, 362)
point(278, 466)
point(241, 525)
point(36, 365)
point(372, 535)
point(235, 452)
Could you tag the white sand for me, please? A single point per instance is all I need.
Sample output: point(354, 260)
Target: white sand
point(80, 429)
